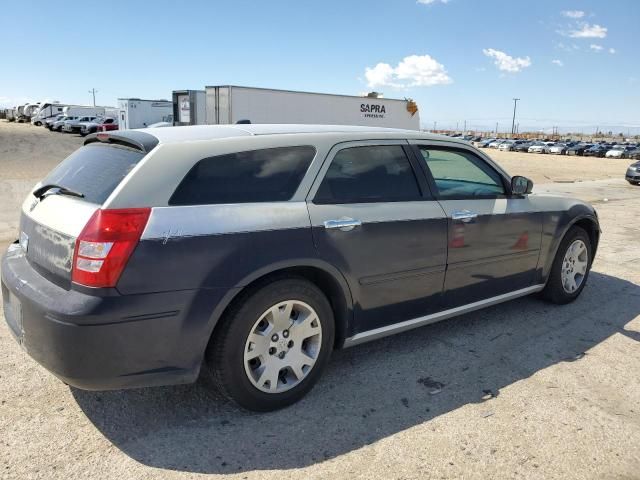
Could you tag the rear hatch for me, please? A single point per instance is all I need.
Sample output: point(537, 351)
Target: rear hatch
point(51, 223)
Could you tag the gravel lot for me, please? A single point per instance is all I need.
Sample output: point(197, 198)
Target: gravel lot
point(525, 389)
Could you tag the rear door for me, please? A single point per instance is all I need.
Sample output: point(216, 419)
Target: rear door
point(494, 238)
point(373, 218)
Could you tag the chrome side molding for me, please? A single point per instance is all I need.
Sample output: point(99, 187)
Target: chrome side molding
point(436, 317)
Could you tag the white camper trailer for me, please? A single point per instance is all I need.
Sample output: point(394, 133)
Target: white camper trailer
point(233, 104)
point(139, 113)
point(46, 111)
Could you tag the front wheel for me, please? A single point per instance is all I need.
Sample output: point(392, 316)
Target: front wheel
point(570, 268)
point(273, 345)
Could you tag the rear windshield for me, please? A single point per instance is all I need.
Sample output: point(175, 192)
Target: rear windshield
point(268, 175)
point(94, 170)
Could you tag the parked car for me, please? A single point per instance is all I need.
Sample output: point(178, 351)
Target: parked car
point(70, 126)
point(540, 147)
point(57, 125)
point(510, 145)
point(497, 143)
point(635, 154)
point(108, 127)
point(50, 121)
point(597, 150)
point(485, 143)
point(522, 147)
point(91, 127)
point(619, 151)
point(633, 174)
point(252, 253)
point(558, 149)
point(579, 148)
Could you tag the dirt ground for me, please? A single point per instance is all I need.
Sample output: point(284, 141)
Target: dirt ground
point(521, 390)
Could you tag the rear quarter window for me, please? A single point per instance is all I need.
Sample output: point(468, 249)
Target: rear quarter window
point(94, 170)
point(267, 175)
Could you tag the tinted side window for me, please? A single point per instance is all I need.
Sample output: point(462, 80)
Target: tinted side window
point(369, 174)
point(268, 175)
point(460, 174)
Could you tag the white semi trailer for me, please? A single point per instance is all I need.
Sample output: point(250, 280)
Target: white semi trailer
point(139, 113)
point(189, 107)
point(230, 104)
point(85, 111)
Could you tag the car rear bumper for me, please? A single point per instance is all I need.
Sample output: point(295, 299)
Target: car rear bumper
point(106, 342)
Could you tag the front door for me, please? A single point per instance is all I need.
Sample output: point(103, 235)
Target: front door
point(375, 220)
point(494, 238)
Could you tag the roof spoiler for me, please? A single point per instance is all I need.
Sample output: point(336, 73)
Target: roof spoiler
point(144, 142)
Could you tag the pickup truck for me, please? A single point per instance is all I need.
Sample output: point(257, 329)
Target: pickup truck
point(92, 127)
point(71, 126)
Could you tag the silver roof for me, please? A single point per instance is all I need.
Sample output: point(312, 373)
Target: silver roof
point(213, 132)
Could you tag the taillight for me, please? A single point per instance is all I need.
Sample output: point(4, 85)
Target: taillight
point(105, 245)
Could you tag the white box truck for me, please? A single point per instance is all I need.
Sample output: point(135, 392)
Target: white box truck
point(139, 113)
point(189, 107)
point(230, 104)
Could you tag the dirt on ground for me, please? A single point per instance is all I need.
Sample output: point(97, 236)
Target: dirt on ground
point(520, 390)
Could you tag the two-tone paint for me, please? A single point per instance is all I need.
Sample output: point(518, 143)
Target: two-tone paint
point(386, 267)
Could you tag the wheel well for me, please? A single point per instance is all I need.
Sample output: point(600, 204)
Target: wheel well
point(592, 230)
point(320, 278)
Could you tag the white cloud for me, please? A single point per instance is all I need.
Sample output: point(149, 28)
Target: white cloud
point(412, 71)
point(557, 62)
point(429, 2)
point(505, 62)
point(612, 51)
point(595, 47)
point(589, 31)
point(573, 13)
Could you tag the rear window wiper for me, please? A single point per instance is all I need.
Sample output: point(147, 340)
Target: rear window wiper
point(60, 190)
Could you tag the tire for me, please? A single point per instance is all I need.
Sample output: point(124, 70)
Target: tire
point(246, 383)
point(557, 290)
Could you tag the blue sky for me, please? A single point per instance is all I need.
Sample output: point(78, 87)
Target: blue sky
point(572, 63)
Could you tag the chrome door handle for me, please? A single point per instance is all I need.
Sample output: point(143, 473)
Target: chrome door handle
point(344, 224)
point(464, 215)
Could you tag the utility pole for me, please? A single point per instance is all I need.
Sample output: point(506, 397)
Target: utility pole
point(513, 122)
point(457, 126)
point(465, 126)
point(496, 129)
point(93, 92)
point(434, 126)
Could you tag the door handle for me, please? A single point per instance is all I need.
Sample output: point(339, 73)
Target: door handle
point(345, 224)
point(464, 215)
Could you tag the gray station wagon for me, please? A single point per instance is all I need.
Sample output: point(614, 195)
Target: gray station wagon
point(247, 253)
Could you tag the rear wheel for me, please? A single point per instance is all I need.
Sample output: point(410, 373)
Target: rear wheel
point(273, 345)
point(570, 268)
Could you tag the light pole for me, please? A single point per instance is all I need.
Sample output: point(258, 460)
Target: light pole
point(93, 92)
point(513, 122)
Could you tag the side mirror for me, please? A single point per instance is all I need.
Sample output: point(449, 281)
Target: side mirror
point(521, 185)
